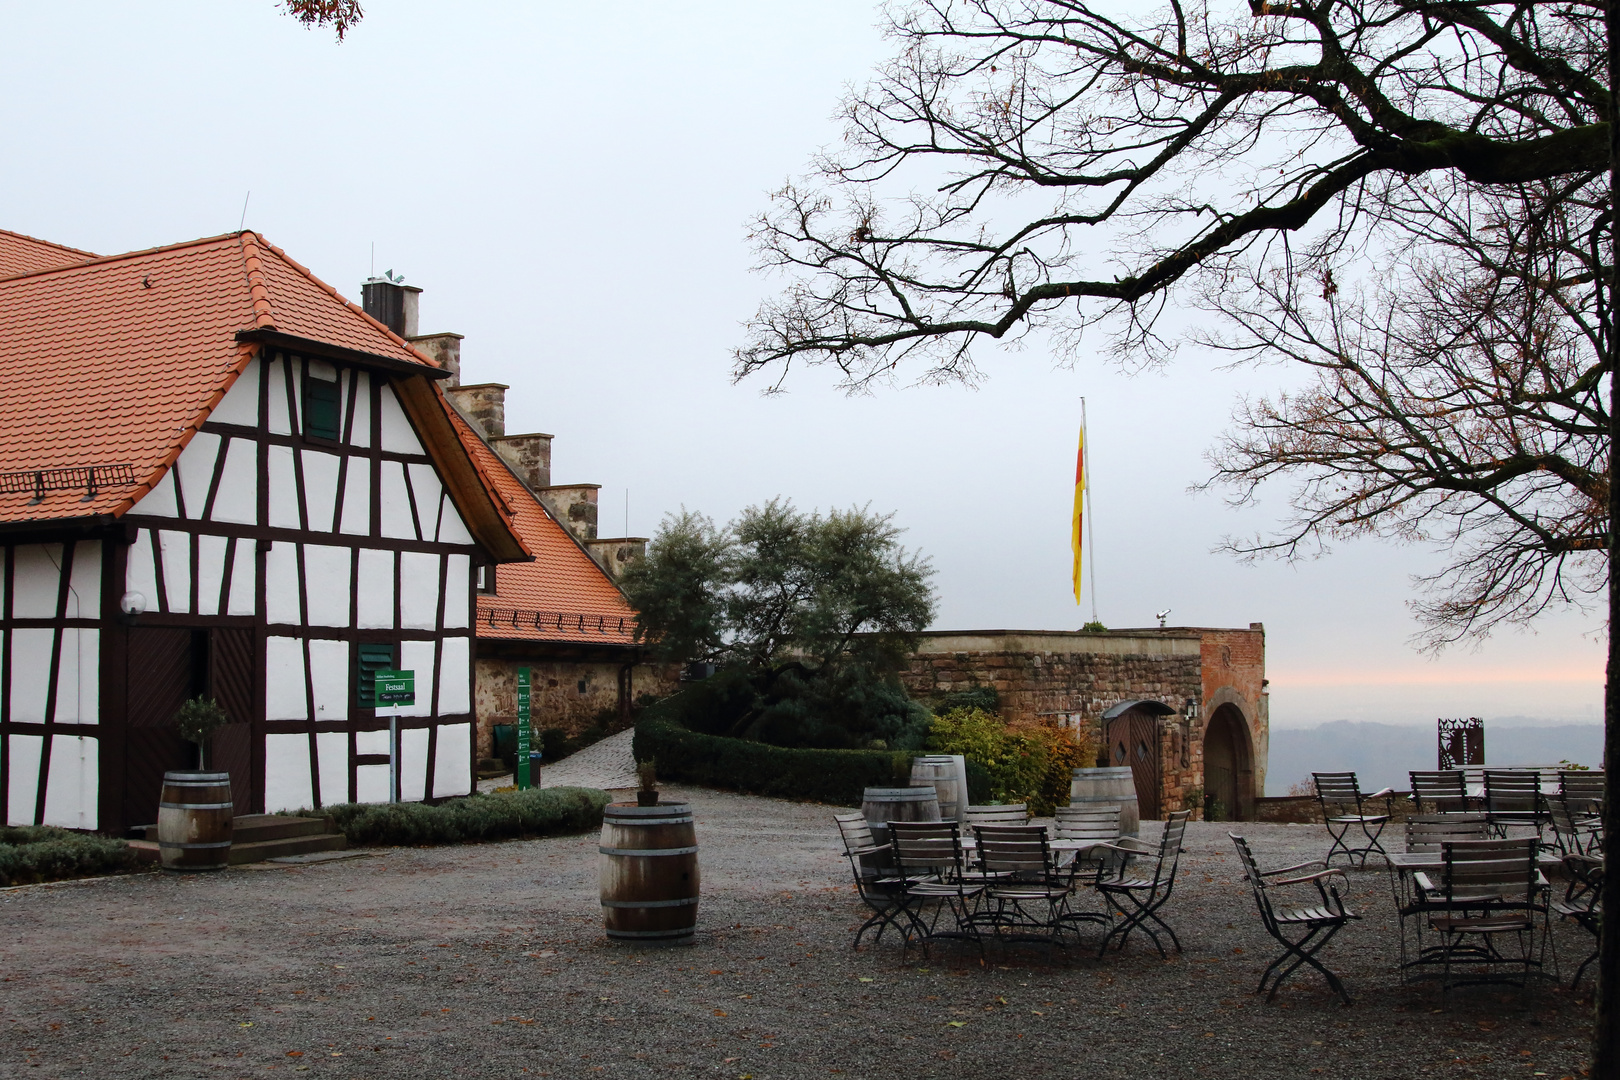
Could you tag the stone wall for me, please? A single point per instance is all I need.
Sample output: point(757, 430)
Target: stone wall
point(564, 693)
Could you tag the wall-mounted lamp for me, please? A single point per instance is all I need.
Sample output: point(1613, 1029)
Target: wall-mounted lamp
point(132, 605)
point(1189, 717)
point(1190, 709)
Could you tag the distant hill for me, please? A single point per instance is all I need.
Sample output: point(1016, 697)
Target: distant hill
point(1382, 754)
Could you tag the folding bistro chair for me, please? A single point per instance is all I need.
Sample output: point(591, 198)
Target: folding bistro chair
point(1572, 835)
point(1513, 799)
point(1010, 814)
point(1312, 926)
point(1444, 792)
point(1145, 892)
point(1020, 853)
point(1583, 902)
point(876, 880)
point(1488, 889)
point(929, 857)
point(1344, 807)
point(1581, 791)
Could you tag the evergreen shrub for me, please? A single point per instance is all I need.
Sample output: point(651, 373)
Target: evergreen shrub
point(496, 816)
point(42, 853)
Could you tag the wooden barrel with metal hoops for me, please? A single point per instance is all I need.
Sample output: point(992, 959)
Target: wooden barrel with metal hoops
point(1108, 787)
point(649, 872)
point(882, 805)
point(947, 775)
point(194, 821)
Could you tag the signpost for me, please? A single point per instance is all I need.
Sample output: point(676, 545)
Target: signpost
point(524, 732)
point(396, 688)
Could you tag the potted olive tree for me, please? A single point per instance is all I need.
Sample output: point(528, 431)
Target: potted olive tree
point(197, 720)
point(647, 775)
point(196, 816)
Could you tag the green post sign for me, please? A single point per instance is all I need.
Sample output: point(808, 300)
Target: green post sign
point(524, 780)
point(396, 687)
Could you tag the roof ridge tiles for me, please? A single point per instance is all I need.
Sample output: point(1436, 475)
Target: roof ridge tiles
point(101, 260)
point(345, 301)
point(264, 315)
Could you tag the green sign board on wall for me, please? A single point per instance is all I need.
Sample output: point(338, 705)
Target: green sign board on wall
point(524, 731)
point(396, 687)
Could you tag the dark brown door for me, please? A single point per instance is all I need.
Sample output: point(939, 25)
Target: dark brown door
point(231, 681)
point(165, 668)
point(1133, 739)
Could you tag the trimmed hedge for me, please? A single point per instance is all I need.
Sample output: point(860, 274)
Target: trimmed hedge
point(828, 776)
point(499, 815)
point(41, 853)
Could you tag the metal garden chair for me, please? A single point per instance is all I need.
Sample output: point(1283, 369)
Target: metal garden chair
point(1583, 902)
point(1443, 792)
point(1488, 890)
point(1029, 880)
point(1010, 814)
point(931, 871)
point(1311, 926)
point(1344, 808)
point(1513, 799)
point(876, 879)
point(1145, 892)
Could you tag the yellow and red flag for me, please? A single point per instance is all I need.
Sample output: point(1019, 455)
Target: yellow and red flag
point(1079, 507)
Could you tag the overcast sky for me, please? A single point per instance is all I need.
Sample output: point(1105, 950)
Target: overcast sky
point(572, 184)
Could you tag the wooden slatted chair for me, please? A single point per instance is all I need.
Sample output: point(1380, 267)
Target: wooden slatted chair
point(1488, 889)
point(1425, 835)
point(1583, 902)
point(1572, 835)
point(1086, 823)
point(1029, 880)
point(932, 874)
point(1010, 814)
point(1344, 808)
point(1311, 926)
point(1146, 891)
point(1443, 792)
point(1513, 799)
point(1580, 792)
point(876, 879)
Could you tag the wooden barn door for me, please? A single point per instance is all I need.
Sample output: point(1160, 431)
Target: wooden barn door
point(231, 681)
point(165, 668)
point(1133, 739)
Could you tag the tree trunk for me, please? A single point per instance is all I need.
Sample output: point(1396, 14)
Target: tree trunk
point(1605, 1025)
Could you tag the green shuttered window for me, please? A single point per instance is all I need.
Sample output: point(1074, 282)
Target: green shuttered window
point(374, 657)
point(321, 408)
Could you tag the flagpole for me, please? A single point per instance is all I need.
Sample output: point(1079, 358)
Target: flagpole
point(1090, 522)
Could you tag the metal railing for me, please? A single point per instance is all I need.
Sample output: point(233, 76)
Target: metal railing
point(500, 618)
point(89, 477)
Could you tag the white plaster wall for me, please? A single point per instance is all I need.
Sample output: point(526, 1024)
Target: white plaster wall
point(139, 574)
point(360, 385)
point(320, 488)
point(397, 433)
point(30, 673)
point(452, 765)
point(240, 405)
point(417, 656)
point(287, 784)
point(329, 678)
point(396, 504)
point(38, 570)
point(455, 676)
point(333, 748)
point(281, 584)
point(371, 742)
point(276, 392)
point(371, 783)
point(418, 590)
point(78, 677)
point(84, 591)
point(237, 499)
point(357, 498)
point(160, 501)
point(210, 572)
point(326, 581)
point(457, 591)
point(322, 369)
point(174, 548)
point(244, 591)
point(283, 489)
point(74, 781)
point(413, 747)
point(376, 589)
point(426, 492)
point(295, 375)
point(452, 530)
point(23, 753)
point(284, 697)
point(196, 468)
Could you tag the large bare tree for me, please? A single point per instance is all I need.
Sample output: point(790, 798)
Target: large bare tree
point(1049, 165)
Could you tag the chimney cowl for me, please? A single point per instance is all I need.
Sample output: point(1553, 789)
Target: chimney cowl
point(391, 303)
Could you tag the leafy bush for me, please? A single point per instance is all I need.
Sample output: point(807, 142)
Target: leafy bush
point(1025, 762)
point(495, 816)
point(838, 777)
point(41, 853)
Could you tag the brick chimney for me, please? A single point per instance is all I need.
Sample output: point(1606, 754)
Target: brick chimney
point(575, 506)
point(391, 303)
point(484, 404)
point(446, 349)
point(528, 455)
point(614, 554)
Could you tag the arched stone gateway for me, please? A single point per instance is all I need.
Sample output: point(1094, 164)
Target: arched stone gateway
point(1228, 766)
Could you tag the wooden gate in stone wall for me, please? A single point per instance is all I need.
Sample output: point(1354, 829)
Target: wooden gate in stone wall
point(1131, 731)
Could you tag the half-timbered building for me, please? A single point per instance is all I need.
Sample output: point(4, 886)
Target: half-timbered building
point(219, 477)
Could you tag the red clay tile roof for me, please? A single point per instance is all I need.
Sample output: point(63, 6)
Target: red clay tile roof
point(21, 254)
point(118, 360)
point(563, 590)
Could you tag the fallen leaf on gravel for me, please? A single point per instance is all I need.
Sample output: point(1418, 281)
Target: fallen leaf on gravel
point(295, 1053)
point(1486, 1025)
point(716, 971)
point(956, 1023)
point(1037, 1012)
point(728, 1061)
point(719, 1012)
point(247, 1023)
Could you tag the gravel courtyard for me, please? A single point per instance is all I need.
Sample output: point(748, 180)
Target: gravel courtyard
point(490, 961)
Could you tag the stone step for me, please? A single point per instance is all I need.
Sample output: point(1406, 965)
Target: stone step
point(292, 845)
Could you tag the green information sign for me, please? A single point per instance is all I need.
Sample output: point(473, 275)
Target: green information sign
point(396, 687)
point(524, 731)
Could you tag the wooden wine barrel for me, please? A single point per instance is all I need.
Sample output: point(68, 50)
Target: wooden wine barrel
point(194, 821)
point(885, 804)
point(1108, 787)
point(947, 775)
point(649, 872)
